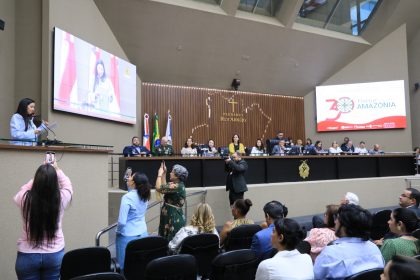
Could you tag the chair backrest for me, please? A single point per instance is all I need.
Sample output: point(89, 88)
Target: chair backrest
point(101, 276)
point(380, 224)
point(371, 274)
point(175, 267)
point(127, 151)
point(204, 247)
point(241, 237)
point(85, 261)
point(140, 252)
point(235, 265)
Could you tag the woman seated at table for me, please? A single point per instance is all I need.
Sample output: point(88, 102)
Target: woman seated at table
point(320, 237)
point(202, 221)
point(318, 148)
point(402, 222)
point(335, 149)
point(189, 149)
point(236, 146)
point(209, 150)
point(239, 210)
point(288, 263)
point(258, 149)
point(280, 149)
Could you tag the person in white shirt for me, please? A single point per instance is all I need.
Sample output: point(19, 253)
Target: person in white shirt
point(361, 149)
point(288, 263)
point(189, 149)
point(334, 149)
point(258, 149)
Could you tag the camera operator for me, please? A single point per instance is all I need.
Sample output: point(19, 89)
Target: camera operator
point(235, 181)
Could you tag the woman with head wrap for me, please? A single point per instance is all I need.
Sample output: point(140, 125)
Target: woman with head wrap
point(172, 216)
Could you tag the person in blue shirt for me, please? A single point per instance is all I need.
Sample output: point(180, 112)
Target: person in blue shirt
point(22, 126)
point(131, 220)
point(352, 252)
point(135, 150)
point(261, 242)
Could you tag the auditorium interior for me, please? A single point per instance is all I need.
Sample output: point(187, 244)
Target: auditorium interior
point(275, 48)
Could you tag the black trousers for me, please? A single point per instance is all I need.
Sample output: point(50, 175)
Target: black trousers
point(234, 196)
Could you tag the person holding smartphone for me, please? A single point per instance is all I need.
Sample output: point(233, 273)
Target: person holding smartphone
point(42, 202)
point(172, 217)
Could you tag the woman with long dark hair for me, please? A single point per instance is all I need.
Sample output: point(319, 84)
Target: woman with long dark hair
point(103, 96)
point(42, 202)
point(131, 220)
point(236, 145)
point(22, 126)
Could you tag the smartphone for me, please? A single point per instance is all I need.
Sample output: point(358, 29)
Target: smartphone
point(49, 157)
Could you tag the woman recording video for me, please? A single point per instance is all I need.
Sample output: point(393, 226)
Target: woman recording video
point(42, 202)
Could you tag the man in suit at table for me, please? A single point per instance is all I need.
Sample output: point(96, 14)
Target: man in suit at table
point(135, 150)
point(235, 181)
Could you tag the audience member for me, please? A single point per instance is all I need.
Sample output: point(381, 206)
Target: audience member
point(42, 202)
point(410, 199)
point(376, 150)
point(131, 220)
point(239, 210)
point(135, 150)
point(402, 223)
point(350, 198)
point(401, 268)
point(172, 216)
point(280, 149)
point(288, 263)
point(352, 252)
point(261, 242)
point(202, 221)
point(236, 145)
point(361, 149)
point(164, 149)
point(189, 149)
point(235, 180)
point(258, 149)
point(321, 237)
point(335, 149)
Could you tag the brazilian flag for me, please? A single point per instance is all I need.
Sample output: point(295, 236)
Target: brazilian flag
point(156, 135)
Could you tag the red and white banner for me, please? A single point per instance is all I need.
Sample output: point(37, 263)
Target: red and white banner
point(146, 133)
point(365, 106)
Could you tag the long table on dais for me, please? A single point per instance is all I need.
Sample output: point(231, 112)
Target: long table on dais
point(210, 171)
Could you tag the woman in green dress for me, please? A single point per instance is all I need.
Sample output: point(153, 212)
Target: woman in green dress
point(402, 222)
point(172, 216)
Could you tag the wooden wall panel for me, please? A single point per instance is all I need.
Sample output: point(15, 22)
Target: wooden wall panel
point(219, 114)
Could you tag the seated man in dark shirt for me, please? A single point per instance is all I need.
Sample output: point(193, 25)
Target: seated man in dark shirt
point(135, 150)
point(164, 149)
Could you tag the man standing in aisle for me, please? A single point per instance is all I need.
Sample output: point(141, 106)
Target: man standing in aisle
point(235, 181)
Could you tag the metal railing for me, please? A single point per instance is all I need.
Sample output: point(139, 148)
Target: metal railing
point(187, 205)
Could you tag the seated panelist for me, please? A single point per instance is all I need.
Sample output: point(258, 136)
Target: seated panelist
point(297, 149)
point(210, 149)
point(335, 149)
point(135, 150)
point(258, 149)
point(189, 149)
point(236, 145)
point(164, 149)
point(280, 149)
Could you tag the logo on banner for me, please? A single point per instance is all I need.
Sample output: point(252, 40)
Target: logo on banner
point(342, 105)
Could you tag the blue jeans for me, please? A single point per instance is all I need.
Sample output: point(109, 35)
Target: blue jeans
point(121, 243)
point(37, 266)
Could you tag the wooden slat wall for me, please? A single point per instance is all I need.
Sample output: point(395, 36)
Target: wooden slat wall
point(197, 112)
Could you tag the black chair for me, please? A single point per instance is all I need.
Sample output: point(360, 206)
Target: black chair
point(304, 247)
point(140, 252)
point(235, 265)
point(416, 233)
point(175, 267)
point(101, 276)
point(380, 224)
point(127, 151)
point(371, 274)
point(204, 247)
point(241, 237)
point(85, 261)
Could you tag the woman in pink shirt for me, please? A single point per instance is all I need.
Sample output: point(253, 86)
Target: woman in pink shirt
point(42, 202)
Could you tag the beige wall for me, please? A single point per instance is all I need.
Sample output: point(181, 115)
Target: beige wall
point(387, 60)
point(414, 72)
point(7, 65)
point(88, 212)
